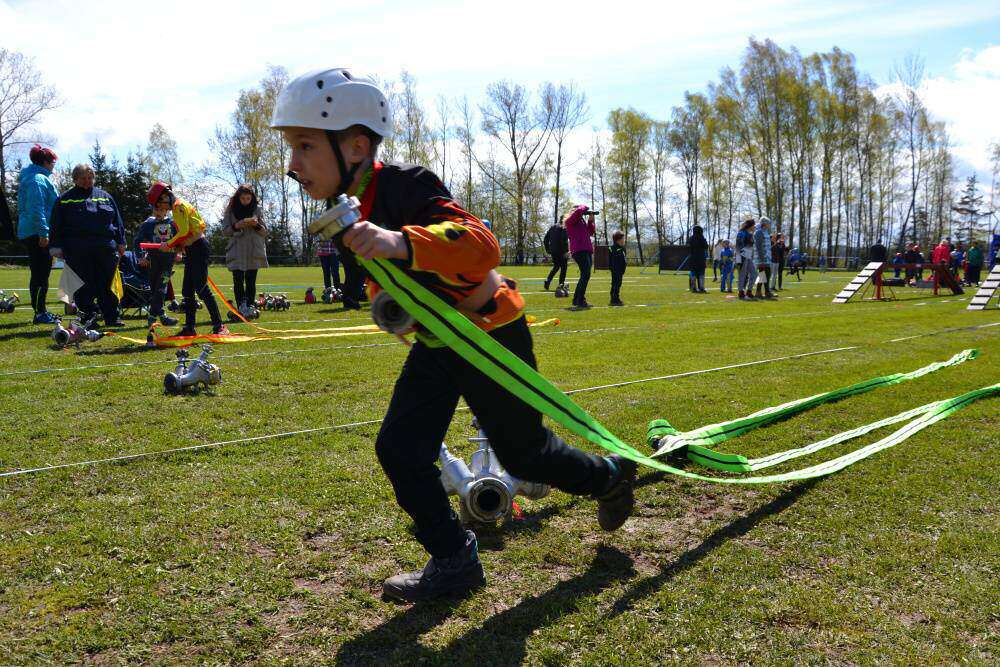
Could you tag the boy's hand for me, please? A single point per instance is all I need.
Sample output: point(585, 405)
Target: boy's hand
point(369, 241)
point(164, 247)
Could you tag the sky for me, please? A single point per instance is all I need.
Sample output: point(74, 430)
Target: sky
point(121, 67)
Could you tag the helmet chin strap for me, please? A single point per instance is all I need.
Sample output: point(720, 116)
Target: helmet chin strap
point(346, 173)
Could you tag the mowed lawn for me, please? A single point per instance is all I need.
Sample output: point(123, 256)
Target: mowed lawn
point(274, 550)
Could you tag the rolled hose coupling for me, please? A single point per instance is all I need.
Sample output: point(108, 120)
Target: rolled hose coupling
point(192, 375)
point(336, 219)
point(389, 316)
point(485, 490)
point(78, 331)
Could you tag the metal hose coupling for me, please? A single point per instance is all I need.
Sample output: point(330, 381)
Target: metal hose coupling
point(336, 219)
point(389, 316)
point(192, 375)
point(485, 490)
point(79, 331)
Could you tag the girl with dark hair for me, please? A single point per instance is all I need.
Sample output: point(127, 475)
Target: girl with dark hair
point(247, 249)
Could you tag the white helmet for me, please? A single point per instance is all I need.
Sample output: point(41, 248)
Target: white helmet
point(333, 99)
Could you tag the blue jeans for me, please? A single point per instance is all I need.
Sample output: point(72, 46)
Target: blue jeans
point(727, 278)
point(331, 270)
point(585, 260)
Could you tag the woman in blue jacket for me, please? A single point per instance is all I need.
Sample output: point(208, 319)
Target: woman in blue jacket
point(87, 229)
point(35, 197)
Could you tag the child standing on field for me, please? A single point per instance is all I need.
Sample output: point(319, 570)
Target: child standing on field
point(617, 253)
point(726, 266)
point(189, 239)
point(333, 121)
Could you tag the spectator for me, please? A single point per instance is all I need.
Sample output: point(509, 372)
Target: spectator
point(745, 260)
point(581, 247)
point(726, 267)
point(87, 230)
point(778, 250)
point(247, 250)
point(822, 263)
point(158, 228)
point(698, 259)
point(941, 253)
point(556, 243)
point(716, 260)
point(796, 263)
point(35, 197)
point(329, 260)
point(974, 260)
point(877, 253)
point(913, 260)
point(957, 259)
point(617, 265)
point(897, 262)
point(762, 258)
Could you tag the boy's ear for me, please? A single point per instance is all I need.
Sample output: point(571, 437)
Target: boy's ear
point(360, 147)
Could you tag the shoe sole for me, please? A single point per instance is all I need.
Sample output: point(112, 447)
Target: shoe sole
point(390, 594)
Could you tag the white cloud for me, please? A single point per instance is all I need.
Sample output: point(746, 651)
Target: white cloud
point(123, 65)
point(967, 99)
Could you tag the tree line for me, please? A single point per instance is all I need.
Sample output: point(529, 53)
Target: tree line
point(810, 141)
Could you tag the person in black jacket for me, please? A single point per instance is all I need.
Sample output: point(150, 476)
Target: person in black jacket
point(617, 264)
point(557, 245)
point(87, 230)
point(697, 262)
point(409, 217)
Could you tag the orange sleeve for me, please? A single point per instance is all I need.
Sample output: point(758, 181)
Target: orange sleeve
point(450, 241)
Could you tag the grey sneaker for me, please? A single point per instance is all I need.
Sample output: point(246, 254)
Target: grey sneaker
point(615, 505)
point(458, 574)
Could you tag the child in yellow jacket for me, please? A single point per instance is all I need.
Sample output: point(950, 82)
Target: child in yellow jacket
point(189, 239)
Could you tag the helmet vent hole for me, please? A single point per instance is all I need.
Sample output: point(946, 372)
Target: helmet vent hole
point(324, 114)
point(383, 119)
point(347, 75)
point(381, 104)
point(319, 83)
point(329, 99)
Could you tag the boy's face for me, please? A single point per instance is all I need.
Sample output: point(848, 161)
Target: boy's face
point(314, 162)
point(162, 206)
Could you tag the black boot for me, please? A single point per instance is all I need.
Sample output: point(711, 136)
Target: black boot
point(458, 574)
point(615, 505)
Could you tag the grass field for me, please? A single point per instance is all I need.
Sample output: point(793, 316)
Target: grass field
point(274, 550)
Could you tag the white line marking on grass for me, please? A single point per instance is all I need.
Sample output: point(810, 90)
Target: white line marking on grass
point(943, 331)
point(174, 360)
point(271, 436)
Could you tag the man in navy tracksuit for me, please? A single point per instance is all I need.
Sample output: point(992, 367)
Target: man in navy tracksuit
point(86, 228)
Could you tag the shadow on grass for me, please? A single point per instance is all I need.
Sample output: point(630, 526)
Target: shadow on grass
point(44, 333)
point(17, 325)
point(501, 640)
point(734, 530)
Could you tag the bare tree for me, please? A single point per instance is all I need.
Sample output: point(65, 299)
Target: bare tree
point(567, 108)
point(24, 97)
point(161, 156)
point(912, 116)
point(524, 131)
point(467, 138)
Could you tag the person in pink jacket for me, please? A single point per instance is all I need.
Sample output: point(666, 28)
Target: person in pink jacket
point(580, 228)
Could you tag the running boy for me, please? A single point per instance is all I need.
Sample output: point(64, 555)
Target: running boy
point(190, 239)
point(334, 121)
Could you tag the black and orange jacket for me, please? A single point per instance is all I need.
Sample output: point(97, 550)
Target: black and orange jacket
point(450, 251)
